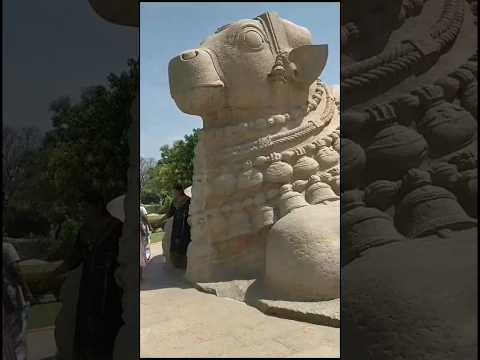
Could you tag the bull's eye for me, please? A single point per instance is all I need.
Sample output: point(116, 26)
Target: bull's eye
point(253, 39)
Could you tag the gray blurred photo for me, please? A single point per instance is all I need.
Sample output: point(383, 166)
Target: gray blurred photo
point(409, 179)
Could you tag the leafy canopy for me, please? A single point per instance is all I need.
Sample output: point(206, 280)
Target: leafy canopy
point(175, 166)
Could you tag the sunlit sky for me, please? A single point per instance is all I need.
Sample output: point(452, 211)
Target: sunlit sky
point(168, 29)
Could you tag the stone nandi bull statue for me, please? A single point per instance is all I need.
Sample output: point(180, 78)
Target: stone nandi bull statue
point(266, 182)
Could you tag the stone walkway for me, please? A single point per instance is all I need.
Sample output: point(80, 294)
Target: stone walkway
point(41, 343)
point(177, 320)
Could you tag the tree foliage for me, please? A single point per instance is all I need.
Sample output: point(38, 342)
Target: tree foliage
point(175, 166)
point(86, 150)
point(18, 147)
point(146, 167)
point(88, 146)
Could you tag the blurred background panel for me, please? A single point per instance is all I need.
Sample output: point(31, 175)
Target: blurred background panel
point(409, 179)
point(69, 80)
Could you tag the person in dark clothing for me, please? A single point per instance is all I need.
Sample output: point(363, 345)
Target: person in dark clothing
point(180, 229)
point(99, 308)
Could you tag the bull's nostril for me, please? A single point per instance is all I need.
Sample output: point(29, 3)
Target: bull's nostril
point(189, 55)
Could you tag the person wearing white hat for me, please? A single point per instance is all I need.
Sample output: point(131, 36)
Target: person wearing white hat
point(116, 208)
point(99, 307)
point(188, 192)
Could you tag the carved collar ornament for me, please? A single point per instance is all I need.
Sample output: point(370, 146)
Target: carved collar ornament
point(411, 156)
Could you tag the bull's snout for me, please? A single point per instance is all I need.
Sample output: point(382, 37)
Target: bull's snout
point(189, 55)
point(193, 79)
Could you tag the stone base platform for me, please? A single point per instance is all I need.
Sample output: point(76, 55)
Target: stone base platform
point(251, 292)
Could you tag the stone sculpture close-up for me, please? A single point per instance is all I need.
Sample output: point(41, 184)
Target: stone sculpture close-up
point(265, 194)
point(409, 162)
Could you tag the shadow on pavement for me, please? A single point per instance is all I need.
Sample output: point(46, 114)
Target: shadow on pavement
point(160, 275)
point(41, 344)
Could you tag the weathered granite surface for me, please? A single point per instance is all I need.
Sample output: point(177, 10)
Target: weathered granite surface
point(409, 163)
point(251, 292)
point(265, 201)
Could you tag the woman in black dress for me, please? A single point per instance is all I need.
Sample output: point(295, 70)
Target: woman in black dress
point(180, 229)
point(99, 308)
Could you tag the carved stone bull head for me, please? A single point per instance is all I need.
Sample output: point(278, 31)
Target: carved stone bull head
point(256, 66)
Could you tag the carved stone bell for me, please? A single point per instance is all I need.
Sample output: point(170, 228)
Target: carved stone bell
point(427, 209)
point(352, 163)
point(445, 126)
point(319, 192)
point(394, 148)
point(382, 194)
point(289, 200)
point(363, 227)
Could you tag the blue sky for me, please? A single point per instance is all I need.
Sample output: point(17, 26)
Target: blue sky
point(167, 29)
point(55, 48)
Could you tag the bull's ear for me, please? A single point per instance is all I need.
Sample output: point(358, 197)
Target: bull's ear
point(309, 62)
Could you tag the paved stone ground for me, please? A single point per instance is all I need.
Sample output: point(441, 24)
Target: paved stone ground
point(41, 343)
point(177, 320)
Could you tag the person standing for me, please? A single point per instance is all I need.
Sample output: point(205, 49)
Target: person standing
point(16, 300)
point(146, 229)
point(99, 307)
point(180, 237)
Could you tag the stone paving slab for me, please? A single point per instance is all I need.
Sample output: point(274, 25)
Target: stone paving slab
point(41, 343)
point(321, 312)
point(252, 293)
point(177, 320)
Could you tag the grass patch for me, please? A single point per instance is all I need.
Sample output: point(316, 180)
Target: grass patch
point(43, 315)
point(157, 237)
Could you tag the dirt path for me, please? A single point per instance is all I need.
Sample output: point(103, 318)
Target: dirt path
point(177, 320)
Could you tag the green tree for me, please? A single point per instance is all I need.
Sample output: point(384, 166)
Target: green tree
point(18, 148)
point(146, 167)
point(88, 147)
point(175, 166)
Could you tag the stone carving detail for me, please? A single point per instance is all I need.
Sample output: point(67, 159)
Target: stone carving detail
point(409, 178)
point(279, 172)
point(393, 65)
point(268, 154)
point(445, 134)
point(446, 127)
